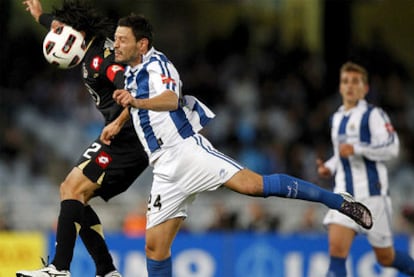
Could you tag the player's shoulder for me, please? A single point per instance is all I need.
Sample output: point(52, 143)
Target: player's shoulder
point(378, 113)
point(373, 109)
point(156, 59)
point(100, 55)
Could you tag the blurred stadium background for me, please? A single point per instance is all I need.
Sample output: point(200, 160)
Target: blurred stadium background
point(268, 68)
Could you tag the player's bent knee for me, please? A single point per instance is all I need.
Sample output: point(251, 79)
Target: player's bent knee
point(385, 260)
point(152, 253)
point(252, 188)
point(338, 250)
point(246, 182)
point(74, 189)
point(385, 256)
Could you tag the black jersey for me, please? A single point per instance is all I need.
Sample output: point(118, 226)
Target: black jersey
point(113, 167)
point(100, 73)
point(102, 76)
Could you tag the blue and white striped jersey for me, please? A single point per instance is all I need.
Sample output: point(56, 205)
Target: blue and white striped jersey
point(160, 130)
point(375, 141)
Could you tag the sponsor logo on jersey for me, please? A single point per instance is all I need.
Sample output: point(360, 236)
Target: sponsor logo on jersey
point(115, 68)
point(292, 190)
point(223, 173)
point(389, 127)
point(96, 63)
point(107, 52)
point(103, 159)
point(112, 70)
point(167, 80)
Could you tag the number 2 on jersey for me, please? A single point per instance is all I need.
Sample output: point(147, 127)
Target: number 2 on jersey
point(93, 149)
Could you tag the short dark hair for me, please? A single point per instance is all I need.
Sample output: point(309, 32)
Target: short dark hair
point(140, 26)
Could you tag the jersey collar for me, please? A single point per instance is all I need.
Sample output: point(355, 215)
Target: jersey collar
point(361, 104)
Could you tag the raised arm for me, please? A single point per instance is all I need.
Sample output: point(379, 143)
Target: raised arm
point(45, 19)
point(34, 7)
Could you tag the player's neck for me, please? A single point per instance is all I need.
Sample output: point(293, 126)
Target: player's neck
point(348, 105)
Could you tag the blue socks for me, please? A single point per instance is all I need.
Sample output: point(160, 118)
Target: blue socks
point(286, 186)
point(159, 268)
point(337, 267)
point(404, 263)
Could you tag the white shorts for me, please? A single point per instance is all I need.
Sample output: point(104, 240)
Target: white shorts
point(380, 235)
point(183, 171)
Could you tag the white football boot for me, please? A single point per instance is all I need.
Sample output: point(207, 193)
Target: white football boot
point(48, 271)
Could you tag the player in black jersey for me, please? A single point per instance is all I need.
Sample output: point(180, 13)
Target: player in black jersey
point(102, 170)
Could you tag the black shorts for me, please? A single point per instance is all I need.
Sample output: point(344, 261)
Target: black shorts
point(114, 167)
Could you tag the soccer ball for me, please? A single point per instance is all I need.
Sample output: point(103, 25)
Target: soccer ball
point(64, 47)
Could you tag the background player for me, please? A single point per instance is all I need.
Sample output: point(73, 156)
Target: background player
point(102, 170)
point(184, 162)
point(363, 139)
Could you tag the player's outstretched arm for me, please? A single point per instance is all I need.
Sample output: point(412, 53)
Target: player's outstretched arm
point(34, 7)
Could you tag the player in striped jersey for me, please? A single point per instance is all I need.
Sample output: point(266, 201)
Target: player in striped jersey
point(184, 162)
point(363, 140)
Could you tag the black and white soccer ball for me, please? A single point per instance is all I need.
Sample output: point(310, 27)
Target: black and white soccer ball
point(64, 47)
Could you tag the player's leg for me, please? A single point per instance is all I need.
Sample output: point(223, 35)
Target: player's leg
point(221, 169)
point(399, 260)
point(381, 237)
point(93, 238)
point(282, 185)
point(116, 181)
point(174, 187)
point(74, 193)
point(340, 240)
point(114, 169)
point(158, 247)
point(166, 210)
point(385, 255)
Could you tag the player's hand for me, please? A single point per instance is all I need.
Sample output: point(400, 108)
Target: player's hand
point(123, 97)
point(109, 132)
point(34, 7)
point(346, 150)
point(56, 24)
point(323, 171)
